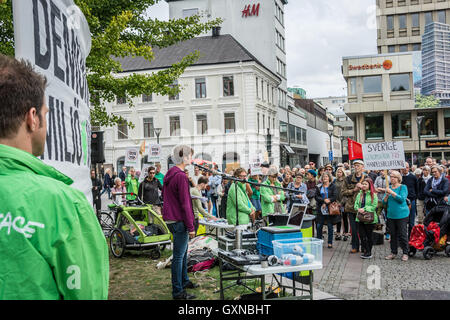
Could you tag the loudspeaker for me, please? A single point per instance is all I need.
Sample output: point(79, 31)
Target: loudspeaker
point(97, 152)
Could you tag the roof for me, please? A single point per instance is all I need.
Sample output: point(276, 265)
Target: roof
point(213, 50)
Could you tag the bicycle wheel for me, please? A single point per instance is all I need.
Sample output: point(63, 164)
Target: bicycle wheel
point(107, 223)
point(117, 243)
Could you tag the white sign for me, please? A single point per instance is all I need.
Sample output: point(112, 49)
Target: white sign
point(132, 157)
point(255, 165)
point(54, 36)
point(384, 155)
point(154, 153)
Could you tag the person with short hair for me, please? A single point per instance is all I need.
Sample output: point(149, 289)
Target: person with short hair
point(437, 188)
point(119, 188)
point(51, 244)
point(149, 190)
point(132, 184)
point(123, 174)
point(326, 193)
point(178, 214)
point(196, 194)
point(159, 175)
point(272, 198)
point(298, 197)
point(107, 183)
point(237, 199)
point(397, 214)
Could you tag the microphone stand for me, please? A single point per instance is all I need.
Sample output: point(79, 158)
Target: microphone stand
point(238, 238)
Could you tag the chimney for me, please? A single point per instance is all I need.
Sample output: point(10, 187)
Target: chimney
point(216, 31)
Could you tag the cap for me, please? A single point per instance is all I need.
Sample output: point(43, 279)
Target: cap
point(312, 172)
point(358, 161)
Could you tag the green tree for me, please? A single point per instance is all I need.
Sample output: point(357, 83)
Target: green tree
point(120, 28)
point(423, 101)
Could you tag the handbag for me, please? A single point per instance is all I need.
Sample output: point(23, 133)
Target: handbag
point(334, 208)
point(366, 217)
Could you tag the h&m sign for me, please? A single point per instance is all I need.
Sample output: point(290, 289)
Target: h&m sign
point(250, 10)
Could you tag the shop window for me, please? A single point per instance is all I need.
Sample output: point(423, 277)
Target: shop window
point(401, 125)
point(374, 126)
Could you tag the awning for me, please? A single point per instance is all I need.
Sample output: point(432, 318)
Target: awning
point(288, 149)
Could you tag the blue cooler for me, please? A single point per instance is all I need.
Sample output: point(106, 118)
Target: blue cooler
point(267, 234)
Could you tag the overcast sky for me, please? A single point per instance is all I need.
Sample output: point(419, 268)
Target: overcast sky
point(318, 34)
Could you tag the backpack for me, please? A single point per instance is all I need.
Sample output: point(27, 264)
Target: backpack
point(200, 259)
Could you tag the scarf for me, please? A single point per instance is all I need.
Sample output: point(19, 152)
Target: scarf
point(435, 183)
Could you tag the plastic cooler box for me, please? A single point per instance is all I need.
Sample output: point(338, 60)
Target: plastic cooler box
point(308, 245)
point(268, 234)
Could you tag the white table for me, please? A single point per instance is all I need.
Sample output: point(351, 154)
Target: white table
point(219, 227)
point(256, 271)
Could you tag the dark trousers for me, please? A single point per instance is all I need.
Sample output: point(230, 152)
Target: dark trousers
point(343, 220)
point(366, 234)
point(398, 229)
point(354, 229)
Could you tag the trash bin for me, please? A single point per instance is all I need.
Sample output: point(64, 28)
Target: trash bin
point(307, 232)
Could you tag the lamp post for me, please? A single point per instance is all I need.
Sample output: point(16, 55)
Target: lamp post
point(157, 131)
point(269, 144)
point(330, 156)
point(419, 120)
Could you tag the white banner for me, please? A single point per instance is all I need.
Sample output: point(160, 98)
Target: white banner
point(132, 158)
point(154, 153)
point(54, 36)
point(384, 155)
point(255, 164)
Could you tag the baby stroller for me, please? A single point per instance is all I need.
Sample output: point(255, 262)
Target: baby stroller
point(432, 236)
point(139, 228)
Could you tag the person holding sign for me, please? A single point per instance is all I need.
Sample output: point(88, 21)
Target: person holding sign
point(51, 244)
point(397, 214)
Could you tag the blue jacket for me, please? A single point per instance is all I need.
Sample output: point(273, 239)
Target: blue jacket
point(439, 192)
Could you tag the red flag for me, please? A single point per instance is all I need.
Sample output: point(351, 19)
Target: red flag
point(354, 150)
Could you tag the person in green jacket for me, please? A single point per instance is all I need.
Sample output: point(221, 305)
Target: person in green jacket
point(159, 174)
point(366, 201)
point(244, 206)
point(51, 244)
point(132, 184)
point(271, 196)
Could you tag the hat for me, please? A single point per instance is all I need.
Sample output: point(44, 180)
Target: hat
point(358, 161)
point(312, 172)
point(328, 165)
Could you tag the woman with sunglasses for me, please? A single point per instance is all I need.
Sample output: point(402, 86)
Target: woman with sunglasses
point(272, 198)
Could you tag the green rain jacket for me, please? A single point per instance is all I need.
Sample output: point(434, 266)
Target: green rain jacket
point(245, 206)
point(370, 206)
point(132, 186)
point(267, 206)
point(51, 244)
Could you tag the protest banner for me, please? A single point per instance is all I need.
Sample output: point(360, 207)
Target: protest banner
point(384, 155)
point(132, 157)
point(54, 36)
point(255, 164)
point(154, 153)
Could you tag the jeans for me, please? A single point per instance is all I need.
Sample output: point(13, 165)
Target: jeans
point(107, 188)
point(399, 234)
point(179, 262)
point(354, 229)
point(215, 212)
point(412, 217)
point(321, 220)
point(366, 234)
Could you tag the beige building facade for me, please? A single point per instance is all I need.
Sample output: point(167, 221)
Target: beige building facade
point(381, 103)
point(401, 23)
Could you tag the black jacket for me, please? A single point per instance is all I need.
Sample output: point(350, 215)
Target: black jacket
point(148, 191)
point(410, 181)
point(439, 192)
point(332, 195)
point(421, 184)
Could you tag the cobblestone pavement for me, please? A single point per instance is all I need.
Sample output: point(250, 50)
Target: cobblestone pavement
point(347, 276)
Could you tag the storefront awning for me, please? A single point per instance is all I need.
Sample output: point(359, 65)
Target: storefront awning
point(288, 149)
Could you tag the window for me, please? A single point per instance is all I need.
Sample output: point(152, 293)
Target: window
point(291, 133)
point(391, 49)
point(283, 132)
point(372, 84)
point(121, 100)
point(374, 126)
point(257, 122)
point(174, 125)
point(447, 124)
point(428, 127)
point(228, 86)
point(147, 97)
point(176, 96)
point(401, 125)
point(189, 12)
point(389, 3)
point(399, 82)
point(416, 47)
point(415, 20)
point(390, 22)
point(298, 135)
point(352, 86)
point(202, 124)
point(257, 89)
point(428, 17)
point(304, 139)
point(122, 130)
point(200, 88)
point(264, 123)
point(148, 128)
point(230, 124)
point(403, 48)
point(441, 16)
point(402, 21)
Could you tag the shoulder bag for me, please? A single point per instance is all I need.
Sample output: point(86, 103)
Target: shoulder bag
point(366, 217)
point(334, 208)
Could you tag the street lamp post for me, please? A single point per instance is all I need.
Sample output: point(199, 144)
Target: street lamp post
point(330, 133)
point(419, 120)
point(157, 131)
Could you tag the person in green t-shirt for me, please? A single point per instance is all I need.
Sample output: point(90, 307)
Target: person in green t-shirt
point(256, 195)
point(131, 183)
point(158, 174)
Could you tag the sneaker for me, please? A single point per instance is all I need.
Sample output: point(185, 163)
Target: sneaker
point(390, 257)
point(367, 256)
point(338, 237)
point(405, 257)
point(191, 285)
point(185, 296)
